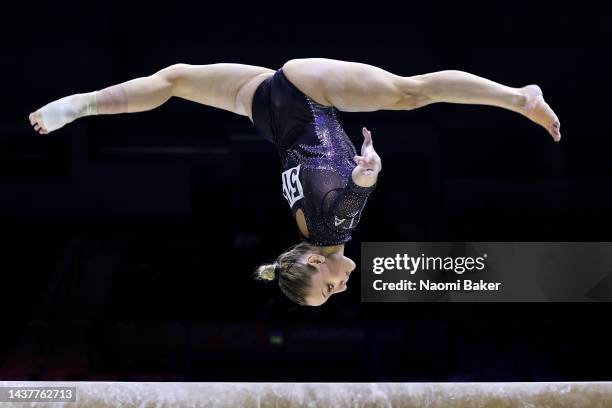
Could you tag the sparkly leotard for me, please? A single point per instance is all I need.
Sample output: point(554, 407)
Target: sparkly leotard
point(316, 158)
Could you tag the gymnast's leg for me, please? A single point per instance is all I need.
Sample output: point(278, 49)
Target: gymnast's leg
point(226, 86)
point(358, 87)
point(453, 86)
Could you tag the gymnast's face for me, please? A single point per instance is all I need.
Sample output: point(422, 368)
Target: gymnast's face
point(333, 273)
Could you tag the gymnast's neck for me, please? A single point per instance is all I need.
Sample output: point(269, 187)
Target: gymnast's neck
point(332, 249)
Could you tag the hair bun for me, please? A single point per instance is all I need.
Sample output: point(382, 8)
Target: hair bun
point(266, 272)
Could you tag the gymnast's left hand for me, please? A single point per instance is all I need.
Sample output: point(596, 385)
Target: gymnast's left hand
point(369, 161)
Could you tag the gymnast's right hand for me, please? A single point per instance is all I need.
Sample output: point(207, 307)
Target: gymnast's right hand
point(369, 162)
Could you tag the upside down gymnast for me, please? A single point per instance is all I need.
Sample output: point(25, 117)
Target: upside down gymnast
point(325, 182)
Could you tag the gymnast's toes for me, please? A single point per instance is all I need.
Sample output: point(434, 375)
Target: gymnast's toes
point(37, 122)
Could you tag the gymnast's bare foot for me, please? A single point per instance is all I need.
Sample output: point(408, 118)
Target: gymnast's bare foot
point(538, 111)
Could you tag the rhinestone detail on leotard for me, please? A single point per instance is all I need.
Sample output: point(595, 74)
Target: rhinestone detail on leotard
point(334, 153)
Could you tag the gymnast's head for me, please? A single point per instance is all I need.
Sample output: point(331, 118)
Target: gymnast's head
point(307, 275)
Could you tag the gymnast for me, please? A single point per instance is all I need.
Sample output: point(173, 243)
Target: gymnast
point(325, 182)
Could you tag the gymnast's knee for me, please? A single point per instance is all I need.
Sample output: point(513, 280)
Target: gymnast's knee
point(177, 75)
point(413, 93)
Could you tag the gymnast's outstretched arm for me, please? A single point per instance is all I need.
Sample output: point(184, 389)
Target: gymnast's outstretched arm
point(220, 85)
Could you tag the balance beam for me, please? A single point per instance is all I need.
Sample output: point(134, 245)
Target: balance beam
point(338, 395)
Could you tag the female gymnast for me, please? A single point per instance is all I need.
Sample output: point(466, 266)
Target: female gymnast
point(326, 183)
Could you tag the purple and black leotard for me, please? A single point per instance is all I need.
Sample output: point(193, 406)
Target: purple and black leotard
point(316, 158)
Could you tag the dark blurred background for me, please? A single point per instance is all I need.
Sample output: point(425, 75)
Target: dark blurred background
point(128, 242)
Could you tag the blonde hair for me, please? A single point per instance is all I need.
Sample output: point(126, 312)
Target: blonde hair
point(295, 275)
